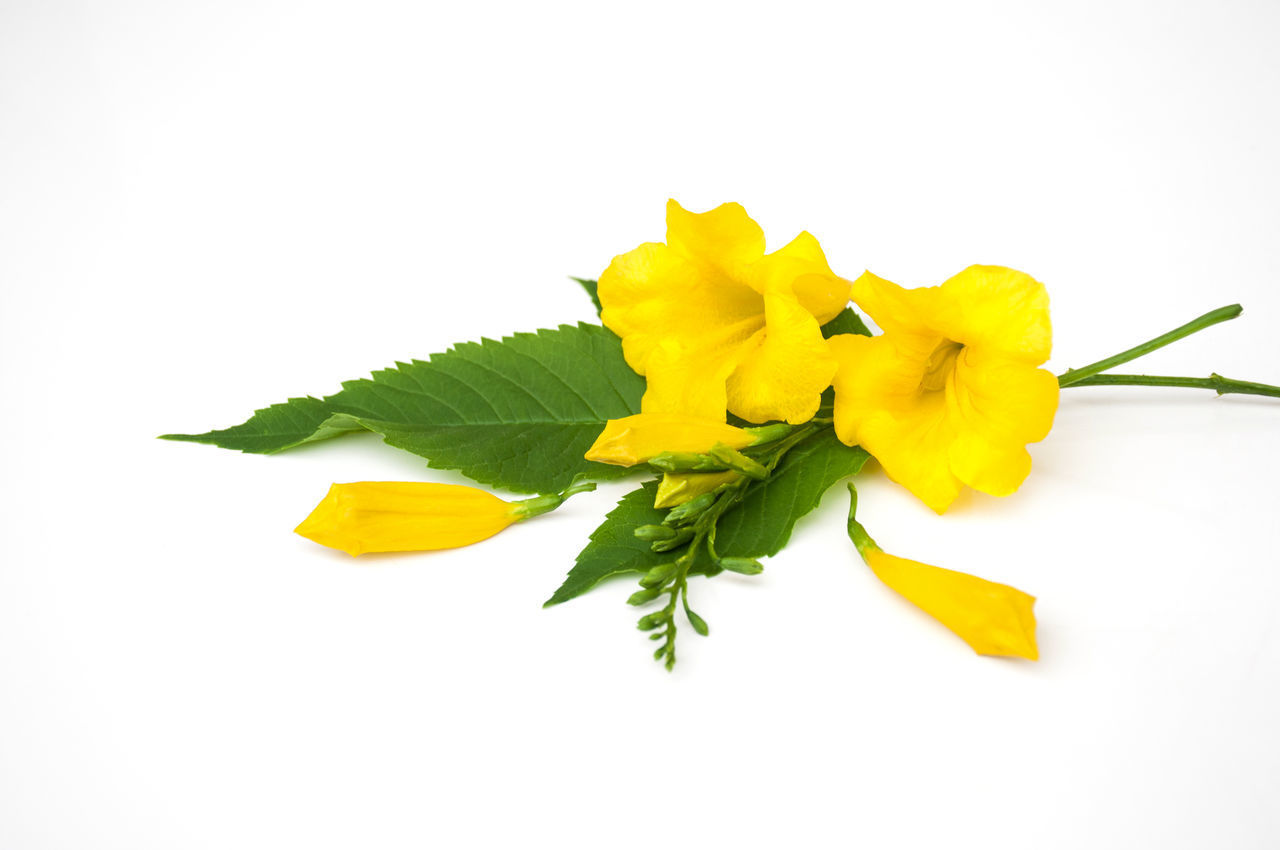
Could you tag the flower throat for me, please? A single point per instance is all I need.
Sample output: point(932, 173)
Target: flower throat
point(940, 365)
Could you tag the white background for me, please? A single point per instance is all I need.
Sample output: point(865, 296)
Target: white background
point(206, 208)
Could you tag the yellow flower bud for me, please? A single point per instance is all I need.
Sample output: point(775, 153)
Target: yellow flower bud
point(994, 619)
point(635, 439)
point(402, 516)
point(677, 488)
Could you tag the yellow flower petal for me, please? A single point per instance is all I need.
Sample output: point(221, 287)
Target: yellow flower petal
point(723, 241)
point(1005, 399)
point(635, 439)
point(784, 375)
point(690, 381)
point(402, 516)
point(914, 449)
point(994, 619)
point(652, 294)
point(889, 305)
point(676, 488)
point(999, 310)
point(800, 267)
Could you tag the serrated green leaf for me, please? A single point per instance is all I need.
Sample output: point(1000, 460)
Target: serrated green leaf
point(613, 547)
point(759, 526)
point(592, 292)
point(847, 321)
point(517, 413)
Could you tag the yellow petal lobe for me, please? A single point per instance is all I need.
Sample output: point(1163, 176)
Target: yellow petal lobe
point(404, 516)
point(994, 619)
point(783, 375)
point(635, 439)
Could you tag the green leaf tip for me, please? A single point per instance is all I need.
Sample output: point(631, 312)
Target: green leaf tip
point(517, 413)
point(847, 321)
point(593, 291)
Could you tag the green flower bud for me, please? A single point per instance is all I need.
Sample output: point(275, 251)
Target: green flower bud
point(746, 566)
point(699, 624)
point(658, 575)
point(652, 621)
point(642, 596)
point(654, 532)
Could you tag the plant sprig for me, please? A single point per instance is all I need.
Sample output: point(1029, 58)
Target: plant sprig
point(692, 527)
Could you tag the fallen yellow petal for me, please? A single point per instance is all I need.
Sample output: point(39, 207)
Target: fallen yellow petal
point(994, 619)
point(404, 516)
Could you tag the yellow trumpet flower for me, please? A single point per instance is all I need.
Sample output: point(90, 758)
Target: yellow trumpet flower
point(406, 516)
point(950, 394)
point(994, 619)
point(636, 439)
point(714, 323)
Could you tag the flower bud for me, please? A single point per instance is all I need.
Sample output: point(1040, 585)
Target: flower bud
point(640, 597)
point(654, 532)
point(676, 488)
point(402, 516)
point(658, 575)
point(652, 621)
point(699, 624)
point(745, 566)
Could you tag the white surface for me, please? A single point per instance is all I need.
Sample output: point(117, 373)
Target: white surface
point(208, 208)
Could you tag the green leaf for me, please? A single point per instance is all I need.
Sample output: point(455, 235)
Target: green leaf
point(759, 526)
point(592, 293)
point(762, 524)
point(847, 321)
point(614, 548)
point(517, 413)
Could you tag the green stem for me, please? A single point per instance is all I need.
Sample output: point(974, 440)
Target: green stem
point(1214, 382)
point(1222, 314)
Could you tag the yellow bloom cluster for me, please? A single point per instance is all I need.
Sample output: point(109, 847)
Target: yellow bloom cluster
point(948, 395)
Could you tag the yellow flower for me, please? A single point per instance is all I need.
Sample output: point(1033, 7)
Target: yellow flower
point(636, 439)
point(404, 516)
point(994, 619)
point(714, 323)
point(950, 394)
point(677, 488)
